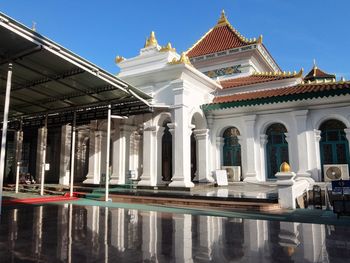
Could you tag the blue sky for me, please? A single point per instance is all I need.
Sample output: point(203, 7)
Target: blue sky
point(295, 31)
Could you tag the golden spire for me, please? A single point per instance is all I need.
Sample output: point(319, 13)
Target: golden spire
point(119, 59)
point(182, 60)
point(151, 41)
point(223, 19)
point(168, 47)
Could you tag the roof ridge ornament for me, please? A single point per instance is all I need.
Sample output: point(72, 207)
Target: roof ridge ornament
point(280, 73)
point(151, 41)
point(182, 60)
point(168, 47)
point(223, 19)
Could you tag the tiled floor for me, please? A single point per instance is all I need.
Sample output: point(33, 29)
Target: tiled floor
point(72, 233)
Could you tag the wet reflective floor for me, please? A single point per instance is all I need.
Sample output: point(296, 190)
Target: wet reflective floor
point(73, 233)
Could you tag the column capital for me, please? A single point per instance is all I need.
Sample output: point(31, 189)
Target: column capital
point(347, 133)
point(287, 136)
point(201, 133)
point(263, 139)
point(317, 134)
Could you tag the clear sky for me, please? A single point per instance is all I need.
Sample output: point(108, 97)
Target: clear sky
point(295, 31)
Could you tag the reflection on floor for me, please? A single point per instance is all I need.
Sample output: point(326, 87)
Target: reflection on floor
point(71, 233)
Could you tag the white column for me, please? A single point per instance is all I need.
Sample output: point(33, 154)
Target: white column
point(250, 174)
point(66, 131)
point(314, 235)
point(206, 239)
point(93, 224)
point(95, 158)
point(18, 156)
point(317, 138)
point(40, 156)
point(151, 240)
point(4, 129)
point(182, 146)
point(219, 152)
point(302, 144)
point(183, 237)
point(121, 152)
point(347, 134)
point(148, 177)
point(203, 169)
point(118, 227)
point(255, 235)
point(263, 168)
point(134, 155)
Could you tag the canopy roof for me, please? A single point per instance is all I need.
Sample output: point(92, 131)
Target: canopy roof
point(49, 79)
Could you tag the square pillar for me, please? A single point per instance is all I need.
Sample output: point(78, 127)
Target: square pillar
point(42, 142)
point(66, 131)
point(183, 237)
point(302, 156)
point(134, 159)
point(250, 153)
point(219, 152)
point(203, 169)
point(95, 158)
point(121, 154)
point(148, 177)
point(182, 146)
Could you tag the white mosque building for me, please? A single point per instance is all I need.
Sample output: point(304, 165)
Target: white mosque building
point(225, 103)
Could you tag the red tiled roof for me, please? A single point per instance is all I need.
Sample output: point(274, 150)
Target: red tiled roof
point(253, 79)
point(218, 39)
point(316, 73)
point(293, 90)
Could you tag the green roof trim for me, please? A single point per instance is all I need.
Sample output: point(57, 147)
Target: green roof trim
point(277, 99)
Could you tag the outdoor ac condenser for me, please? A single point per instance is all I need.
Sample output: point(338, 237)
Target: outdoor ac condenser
point(334, 172)
point(233, 173)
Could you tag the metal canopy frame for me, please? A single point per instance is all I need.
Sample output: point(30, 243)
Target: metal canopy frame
point(45, 84)
point(50, 79)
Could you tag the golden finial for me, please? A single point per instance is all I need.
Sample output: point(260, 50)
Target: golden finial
point(151, 41)
point(285, 168)
point(34, 26)
point(260, 39)
point(119, 59)
point(223, 19)
point(182, 60)
point(300, 73)
point(168, 47)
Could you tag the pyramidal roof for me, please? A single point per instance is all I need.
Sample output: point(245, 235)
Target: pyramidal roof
point(223, 36)
point(317, 74)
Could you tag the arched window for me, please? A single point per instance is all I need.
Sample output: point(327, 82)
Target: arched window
point(276, 149)
point(334, 147)
point(232, 148)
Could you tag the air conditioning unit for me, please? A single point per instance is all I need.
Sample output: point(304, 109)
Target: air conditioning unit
point(333, 172)
point(233, 173)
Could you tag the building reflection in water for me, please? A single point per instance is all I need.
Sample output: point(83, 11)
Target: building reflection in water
point(70, 233)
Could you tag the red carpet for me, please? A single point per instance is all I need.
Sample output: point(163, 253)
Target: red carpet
point(38, 200)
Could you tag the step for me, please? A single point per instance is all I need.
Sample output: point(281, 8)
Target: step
point(189, 202)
